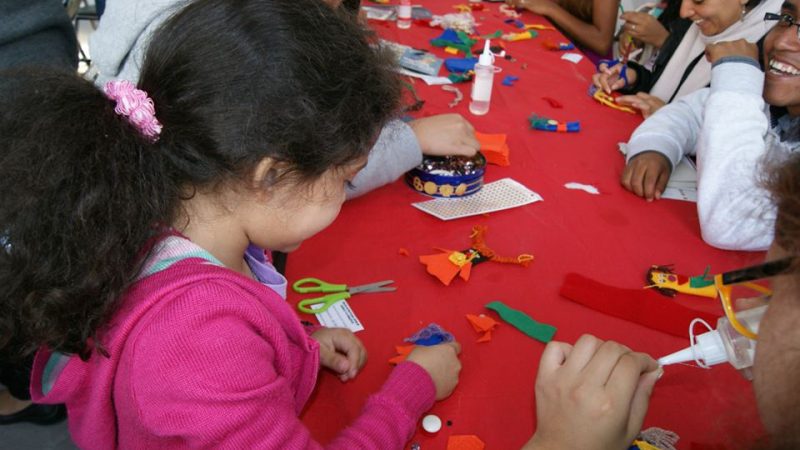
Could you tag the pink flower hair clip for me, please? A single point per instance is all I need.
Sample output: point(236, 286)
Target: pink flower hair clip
point(136, 105)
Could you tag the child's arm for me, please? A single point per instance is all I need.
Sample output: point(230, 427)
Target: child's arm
point(596, 36)
point(400, 147)
point(659, 143)
point(208, 371)
point(735, 211)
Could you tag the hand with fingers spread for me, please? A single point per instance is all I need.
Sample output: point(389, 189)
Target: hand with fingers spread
point(340, 351)
point(442, 364)
point(445, 134)
point(646, 175)
point(609, 78)
point(644, 28)
point(647, 104)
point(591, 395)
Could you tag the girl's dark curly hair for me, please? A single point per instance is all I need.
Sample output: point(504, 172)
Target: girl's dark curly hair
point(783, 181)
point(233, 82)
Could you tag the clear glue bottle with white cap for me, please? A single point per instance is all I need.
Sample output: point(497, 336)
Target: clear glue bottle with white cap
point(724, 344)
point(482, 84)
point(404, 14)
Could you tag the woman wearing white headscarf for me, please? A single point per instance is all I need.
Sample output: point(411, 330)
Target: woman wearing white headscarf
point(681, 68)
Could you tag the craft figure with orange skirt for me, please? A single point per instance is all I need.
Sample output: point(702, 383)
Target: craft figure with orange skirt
point(446, 264)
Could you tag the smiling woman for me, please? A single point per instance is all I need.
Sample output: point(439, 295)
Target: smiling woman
point(681, 67)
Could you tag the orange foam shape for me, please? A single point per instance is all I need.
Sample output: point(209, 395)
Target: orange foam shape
point(494, 148)
point(402, 353)
point(482, 324)
point(465, 442)
point(440, 266)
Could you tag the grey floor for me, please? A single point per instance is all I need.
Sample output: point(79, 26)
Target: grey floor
point(26, 436)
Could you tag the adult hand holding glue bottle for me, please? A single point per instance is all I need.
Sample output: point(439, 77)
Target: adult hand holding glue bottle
point(734, 340)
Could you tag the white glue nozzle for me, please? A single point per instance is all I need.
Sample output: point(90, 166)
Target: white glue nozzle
point(709, 349)
point(487, 57)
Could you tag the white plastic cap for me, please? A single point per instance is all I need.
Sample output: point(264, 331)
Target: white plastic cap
point(487, 57)
point(709, 349)
point(431, 423)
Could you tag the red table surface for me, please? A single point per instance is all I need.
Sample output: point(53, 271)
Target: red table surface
point(612, 237)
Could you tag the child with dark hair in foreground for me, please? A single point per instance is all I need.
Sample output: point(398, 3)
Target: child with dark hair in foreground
point(134, 223)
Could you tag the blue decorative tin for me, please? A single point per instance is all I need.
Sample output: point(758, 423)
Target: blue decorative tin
point(448, 176)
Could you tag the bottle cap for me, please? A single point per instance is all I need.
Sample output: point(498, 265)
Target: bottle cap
point(708, 348)
point(487, 57)
point(431, 423)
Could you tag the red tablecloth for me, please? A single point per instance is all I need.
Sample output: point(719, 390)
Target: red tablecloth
point(612, 237)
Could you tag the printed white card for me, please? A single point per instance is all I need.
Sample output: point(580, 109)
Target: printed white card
point(339, 315)
point(496, 196)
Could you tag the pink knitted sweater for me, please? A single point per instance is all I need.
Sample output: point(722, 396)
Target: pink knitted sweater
point(201, 357)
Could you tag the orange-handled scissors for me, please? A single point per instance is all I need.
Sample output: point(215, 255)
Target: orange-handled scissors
point(338, 292)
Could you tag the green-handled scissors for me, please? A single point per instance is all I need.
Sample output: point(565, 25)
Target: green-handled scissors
point(339, 292)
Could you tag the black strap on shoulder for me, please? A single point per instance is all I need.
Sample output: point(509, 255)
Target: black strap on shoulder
point(686, 74)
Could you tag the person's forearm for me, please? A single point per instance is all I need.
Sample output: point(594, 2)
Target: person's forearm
point(588, 35)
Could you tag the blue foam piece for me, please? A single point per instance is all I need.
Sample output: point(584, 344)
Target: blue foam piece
point(433, 340)
point(460, 64)
point(449, 35)
point(509, 80)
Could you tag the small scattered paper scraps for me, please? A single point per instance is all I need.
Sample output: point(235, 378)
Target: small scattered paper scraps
point(494, 148)
point(459, 96)
point(542, 332)
point(482, 324)
point(499, 195)
point(465, 442)
point(574, 58)
point(339, 315)
point(582, 187)
point(432, 334)
point(509, 80)
point(558, 46)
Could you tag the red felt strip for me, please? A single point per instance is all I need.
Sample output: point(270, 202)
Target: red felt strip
point(643, 306)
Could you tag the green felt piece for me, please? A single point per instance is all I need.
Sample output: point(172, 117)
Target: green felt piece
point(701, 281)
point(542, 332)
point(496, 35)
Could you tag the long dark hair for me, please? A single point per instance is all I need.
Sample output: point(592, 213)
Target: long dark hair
point(233, 82)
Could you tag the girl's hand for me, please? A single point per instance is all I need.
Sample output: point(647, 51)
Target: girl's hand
point(442, 364)
point(592, 395)
point(739, 47)
point(608, 78)
point(647, 104)
point(645, 28)
point(647, 174)
point(541, 7)
point(445, 134)
point(340, 351)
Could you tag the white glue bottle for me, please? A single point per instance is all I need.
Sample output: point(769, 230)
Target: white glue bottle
point(724, 344)
point(404, 14)
point(482, 84)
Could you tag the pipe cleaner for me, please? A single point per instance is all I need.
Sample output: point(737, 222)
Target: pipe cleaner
point(449, 263)
point(135, 105)
point(547, 124)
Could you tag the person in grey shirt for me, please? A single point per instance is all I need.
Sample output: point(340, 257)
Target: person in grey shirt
point(120, 41)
